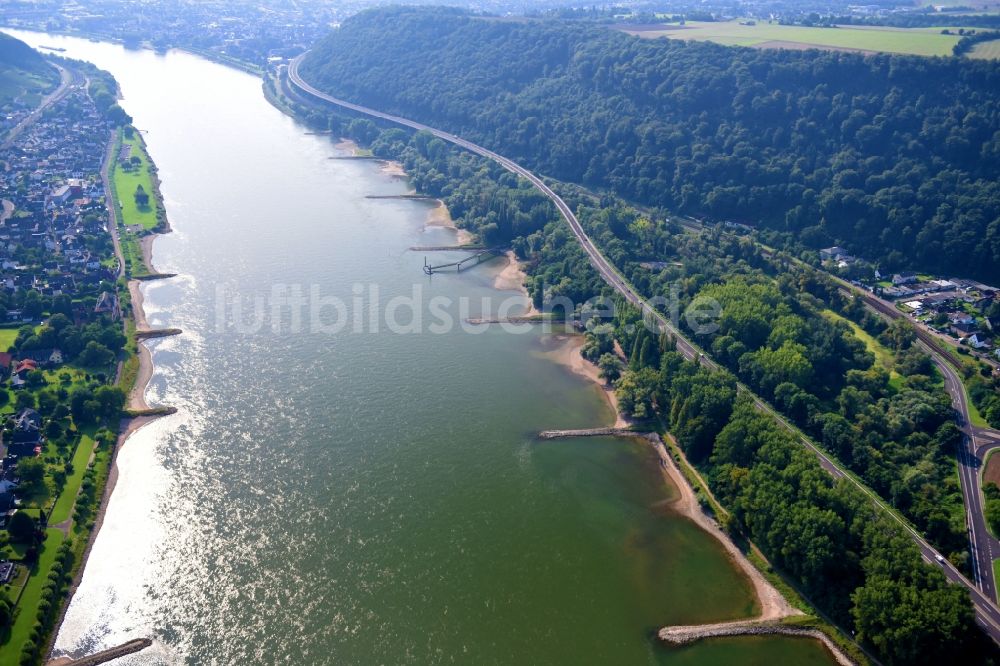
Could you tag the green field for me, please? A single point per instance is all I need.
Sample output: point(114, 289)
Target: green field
point(27, 608)
point(882, 354)
point(917, 41)
point(81, 458)
point(986, 50)
point(127, 180)
point(7, 337)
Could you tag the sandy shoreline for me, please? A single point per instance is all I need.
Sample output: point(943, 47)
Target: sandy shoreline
point(136, 400)
point(773, 605)
point(439, 216)
point(137, 394)
point(568, 352)
point(393, 169)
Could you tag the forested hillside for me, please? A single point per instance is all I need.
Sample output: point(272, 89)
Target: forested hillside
point(794, 336)
point(23, 71)
point(895, 157)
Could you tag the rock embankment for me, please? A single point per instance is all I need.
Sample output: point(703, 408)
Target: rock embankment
point(103, 656)
point(595, 432)
point(684, 635)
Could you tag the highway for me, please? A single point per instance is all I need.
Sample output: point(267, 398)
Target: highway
point(987, 613)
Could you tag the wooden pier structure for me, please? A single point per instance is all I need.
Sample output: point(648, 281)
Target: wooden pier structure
point(472, 260)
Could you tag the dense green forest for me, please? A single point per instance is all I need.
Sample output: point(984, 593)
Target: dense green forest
point(894, 157)
point(788, 332)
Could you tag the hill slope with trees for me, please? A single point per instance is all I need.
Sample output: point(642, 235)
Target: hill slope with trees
point(22, 70)
point(895, 157)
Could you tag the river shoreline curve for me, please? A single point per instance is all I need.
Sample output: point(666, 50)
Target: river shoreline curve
point(139, 412)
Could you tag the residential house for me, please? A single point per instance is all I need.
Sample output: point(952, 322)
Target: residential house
point(963, 330)
point(107, 303)
point(977, 341)
point(833, 253)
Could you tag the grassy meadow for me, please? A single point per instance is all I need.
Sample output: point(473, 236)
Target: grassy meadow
point(915, 41)
point(126, 180)
point(986, 50)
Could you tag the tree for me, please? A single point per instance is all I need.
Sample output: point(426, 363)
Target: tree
point(912, 622)
point(111, 400)
point(635, 392)
point(141, 196)
point(25, 400)
point(900, 334)
point(5, 612)
point(53, 429)
point(35, 379)
point(96, 355)
point(34, 304)
point(59, 320)
point(83, 406)
point(21, 527)
point(611, 367)
point(31, 472)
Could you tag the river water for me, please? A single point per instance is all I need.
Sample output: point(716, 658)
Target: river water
point(362, 496)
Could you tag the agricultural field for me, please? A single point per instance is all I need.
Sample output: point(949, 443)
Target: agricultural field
point(916, 41)
point(986, 51)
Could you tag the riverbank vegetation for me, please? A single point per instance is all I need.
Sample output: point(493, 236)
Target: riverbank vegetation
point(816, 147)
point(778, 335)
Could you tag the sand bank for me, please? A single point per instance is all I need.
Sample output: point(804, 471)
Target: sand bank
point(566, 350)
point(439, 216)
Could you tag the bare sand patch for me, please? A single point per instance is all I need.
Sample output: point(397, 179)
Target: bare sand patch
point(347, 146)
point(440, 216)
point(567, 352)
point(393, 169)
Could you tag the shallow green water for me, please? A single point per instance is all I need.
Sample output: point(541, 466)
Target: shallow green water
point(371, 497)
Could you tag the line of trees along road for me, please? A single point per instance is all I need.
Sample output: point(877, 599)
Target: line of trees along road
point(893, 156)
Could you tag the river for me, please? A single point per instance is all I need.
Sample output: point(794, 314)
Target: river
point(362, 496)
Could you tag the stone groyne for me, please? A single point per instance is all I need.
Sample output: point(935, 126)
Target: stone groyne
point(690, 634)
point(131, 647)
point(597, 432)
